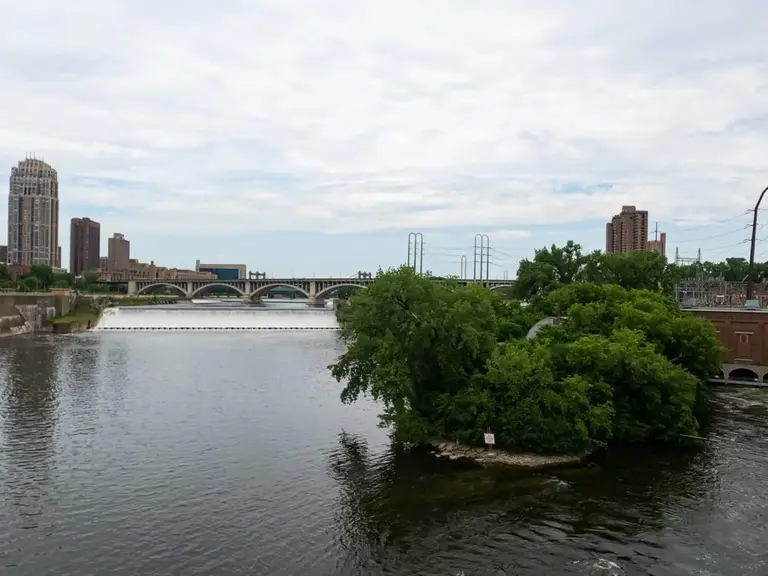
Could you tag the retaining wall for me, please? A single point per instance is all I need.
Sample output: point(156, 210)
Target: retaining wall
point(22, 313)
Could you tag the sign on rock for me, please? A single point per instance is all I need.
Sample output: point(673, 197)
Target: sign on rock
point(490, 438)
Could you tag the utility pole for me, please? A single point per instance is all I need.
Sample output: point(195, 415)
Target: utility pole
point(416, 249)
point(482, 249)
point(752, 245)
point(463, 274)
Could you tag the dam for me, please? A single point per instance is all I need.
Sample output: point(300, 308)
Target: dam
point(217, 317)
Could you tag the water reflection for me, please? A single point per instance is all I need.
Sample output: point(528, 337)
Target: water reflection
point(415, 514)
point(28, 421)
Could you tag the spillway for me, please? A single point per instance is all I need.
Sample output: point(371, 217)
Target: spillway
point(215, 318)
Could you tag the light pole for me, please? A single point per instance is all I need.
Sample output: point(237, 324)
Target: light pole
point(752, 245)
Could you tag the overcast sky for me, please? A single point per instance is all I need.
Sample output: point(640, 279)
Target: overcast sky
point(309, 137)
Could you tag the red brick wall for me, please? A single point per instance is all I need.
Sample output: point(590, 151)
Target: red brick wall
point(743, 333)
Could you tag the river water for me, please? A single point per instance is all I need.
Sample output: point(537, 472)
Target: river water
point(218, 453)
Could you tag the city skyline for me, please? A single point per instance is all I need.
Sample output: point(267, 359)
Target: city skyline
point(319, 143)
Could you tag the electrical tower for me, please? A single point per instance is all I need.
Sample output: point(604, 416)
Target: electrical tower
point(690, 291)
point(416, 252)
point(482, 250)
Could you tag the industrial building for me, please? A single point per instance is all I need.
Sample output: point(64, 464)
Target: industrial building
point(224, 271)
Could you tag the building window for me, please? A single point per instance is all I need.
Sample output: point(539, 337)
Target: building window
point(743, 338)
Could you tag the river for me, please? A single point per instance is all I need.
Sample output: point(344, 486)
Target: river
point(225, 453)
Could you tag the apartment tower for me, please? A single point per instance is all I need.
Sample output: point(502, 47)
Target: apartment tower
point(627, 232)
point(84, 244)
point(118, 253)
point(33, 214)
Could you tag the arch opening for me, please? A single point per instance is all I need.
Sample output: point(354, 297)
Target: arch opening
point(161, 288)
point(221, 290)
point(343, 291)
point(265, 290)
point(744, 374)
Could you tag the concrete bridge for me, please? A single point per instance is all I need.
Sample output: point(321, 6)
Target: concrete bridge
point(315, 289)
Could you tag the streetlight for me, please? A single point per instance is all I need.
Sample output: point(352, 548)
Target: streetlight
point(752, 245)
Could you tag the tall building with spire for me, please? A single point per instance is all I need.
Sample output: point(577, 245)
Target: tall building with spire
point(33, 214)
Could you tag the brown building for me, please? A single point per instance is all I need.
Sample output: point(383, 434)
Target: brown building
point(142, 271)
point(627, 232)
point(118, 253)
point(659, 245)
point(84, 244)
point(744, 334)
point(33, 214)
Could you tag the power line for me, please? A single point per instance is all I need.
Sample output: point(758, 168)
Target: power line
point(692, 228)
point(705, 238)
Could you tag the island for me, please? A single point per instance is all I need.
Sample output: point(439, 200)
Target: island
point(623, 364)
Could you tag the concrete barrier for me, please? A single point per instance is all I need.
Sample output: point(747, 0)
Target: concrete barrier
point(23, 313)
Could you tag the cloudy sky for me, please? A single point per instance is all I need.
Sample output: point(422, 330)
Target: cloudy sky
point(311, 136)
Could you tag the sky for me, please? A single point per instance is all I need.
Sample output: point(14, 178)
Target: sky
point(310, 137)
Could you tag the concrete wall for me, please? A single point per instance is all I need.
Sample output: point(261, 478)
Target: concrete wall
point(22, 313)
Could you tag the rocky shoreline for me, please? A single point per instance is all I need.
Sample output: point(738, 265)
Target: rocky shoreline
point(496, 457)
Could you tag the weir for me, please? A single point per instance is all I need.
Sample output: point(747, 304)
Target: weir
point(213, 318)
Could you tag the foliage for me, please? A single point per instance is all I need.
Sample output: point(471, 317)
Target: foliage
point(552, 268)
point(625, 363)
point(411, 340)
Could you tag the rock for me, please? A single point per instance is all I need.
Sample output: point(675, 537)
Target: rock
point(454, 451)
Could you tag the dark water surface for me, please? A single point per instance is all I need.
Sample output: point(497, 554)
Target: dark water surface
point(230, 453)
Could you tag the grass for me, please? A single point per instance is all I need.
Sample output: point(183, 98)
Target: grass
point(76, 316)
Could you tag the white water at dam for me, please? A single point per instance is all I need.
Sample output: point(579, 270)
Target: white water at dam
point(216, 318)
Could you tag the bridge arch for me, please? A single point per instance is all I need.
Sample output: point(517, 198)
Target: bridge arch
point(262, 290)
point(150, 287)
point(499, 286)
point(203, 289)
point(331, 289)
point(743, 374)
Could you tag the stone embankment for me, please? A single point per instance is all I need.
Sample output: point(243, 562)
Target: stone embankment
point(495, 457)
point(25, 313)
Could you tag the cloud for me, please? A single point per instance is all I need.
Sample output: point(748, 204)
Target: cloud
point(181, 119)
point(508, 234)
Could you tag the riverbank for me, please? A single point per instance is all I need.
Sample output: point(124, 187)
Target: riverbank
point(77, 321)
point(496, 457)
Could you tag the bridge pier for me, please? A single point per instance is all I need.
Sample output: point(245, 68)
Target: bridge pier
point(315, 302)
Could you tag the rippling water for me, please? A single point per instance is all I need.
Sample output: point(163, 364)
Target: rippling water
point(230, 453)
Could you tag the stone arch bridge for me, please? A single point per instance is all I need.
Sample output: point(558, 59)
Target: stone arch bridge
point(315, 289)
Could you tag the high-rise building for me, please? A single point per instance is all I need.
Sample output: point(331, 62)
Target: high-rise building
point(33, 214)
point(84, 243)
point(103, 263)
point(627, 232)
point(118, 253)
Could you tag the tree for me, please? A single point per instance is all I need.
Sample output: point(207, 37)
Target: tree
point(550, 268)
point(636, 271)
point(43, 273)
point(623, 365)
point(411, 340)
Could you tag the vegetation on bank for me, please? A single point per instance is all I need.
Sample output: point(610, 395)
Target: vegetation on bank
point(624, 364)
point(80, 315)
point(42, 279)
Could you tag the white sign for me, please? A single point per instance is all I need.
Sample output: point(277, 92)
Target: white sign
point(490, 438)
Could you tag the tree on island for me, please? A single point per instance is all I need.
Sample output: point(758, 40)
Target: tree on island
point(448, 361)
